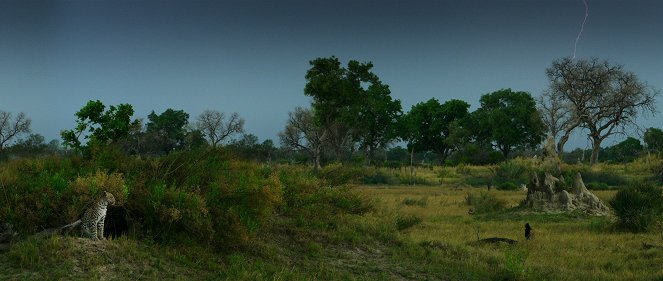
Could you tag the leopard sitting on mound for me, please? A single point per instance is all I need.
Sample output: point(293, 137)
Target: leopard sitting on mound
point(92, 223)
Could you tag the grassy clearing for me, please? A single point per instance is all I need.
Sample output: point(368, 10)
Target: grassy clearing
point(566, 247)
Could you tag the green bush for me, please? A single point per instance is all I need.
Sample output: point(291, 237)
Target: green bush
point(379, 178)
point(338, 174)
point(637, 206)
point(597, 186)
point(406, 221)
point(422, 202)
point(508, 186)
point(512, 173)
point(484, 203)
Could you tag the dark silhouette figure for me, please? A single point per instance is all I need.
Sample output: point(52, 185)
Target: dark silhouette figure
point(528, 232)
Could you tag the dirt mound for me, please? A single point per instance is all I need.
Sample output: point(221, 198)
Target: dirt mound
point(541, 196)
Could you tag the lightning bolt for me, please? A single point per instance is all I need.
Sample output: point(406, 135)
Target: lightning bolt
point(582, 27)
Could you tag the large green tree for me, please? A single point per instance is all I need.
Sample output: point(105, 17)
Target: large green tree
point(507, 120)
point(625, 151)
point(168, 130)
point(98, 125)
point(376, 118)
point(429, 125)
point(338, 93)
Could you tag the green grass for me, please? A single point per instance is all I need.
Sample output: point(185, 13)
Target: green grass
point(316, 227)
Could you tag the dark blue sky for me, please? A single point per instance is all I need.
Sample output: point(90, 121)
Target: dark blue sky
point(251, 56)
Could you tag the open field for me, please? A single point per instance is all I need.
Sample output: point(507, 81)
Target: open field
point(208, 216)
point(565, 247)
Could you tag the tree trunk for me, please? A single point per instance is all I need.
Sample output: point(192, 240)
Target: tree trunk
point(596, 147)
point(316, 164)
point(561, 143)
point(412, 163)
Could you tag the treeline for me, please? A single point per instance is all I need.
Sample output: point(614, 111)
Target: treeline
point(354, 119)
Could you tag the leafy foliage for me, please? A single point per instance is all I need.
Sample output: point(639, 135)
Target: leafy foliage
point(654, 139)
point(428, 126)
point(484, 203)
point(507, 120)
point(102, 126)
point(638, 206)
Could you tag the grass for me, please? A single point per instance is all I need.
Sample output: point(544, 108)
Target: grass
point(566, 247)
point(320, 229)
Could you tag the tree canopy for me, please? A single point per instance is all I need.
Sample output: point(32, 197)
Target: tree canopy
point(427, 126)
point(507, 120)
point(98, 125)
point(654, 139)
point(603, 98)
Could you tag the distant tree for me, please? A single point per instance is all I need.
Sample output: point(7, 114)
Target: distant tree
point(216, 129)
point(100, 126)
point(11, 128)
point(507, 120)
point(625, 151)
point(168, 129)
point(338, 95)
point(32, 145)
point(428, 126)
point(194, 139)
point(654, 139)
point(377, 117)
point(603, 98)
point(301, 134)
point(557, 117)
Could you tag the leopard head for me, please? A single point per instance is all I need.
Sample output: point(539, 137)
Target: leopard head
point(109, 198)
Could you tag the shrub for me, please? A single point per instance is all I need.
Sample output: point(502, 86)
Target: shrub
point(422, 202)
point(637, 206)
point(379, 178)
point(508, 186)
point(513, 172)
point(597, 186)
point(484, 203)
point(338, 174)
point(407, 221)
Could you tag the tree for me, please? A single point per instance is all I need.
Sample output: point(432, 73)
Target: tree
point(215, 129)
point(102, 126)
point(603, 98)
point(625, 151)
point(167, 130)
point(428, 126)
point(301, 134)
point(556, 116)
point(9, 129)
point(338, 93)
point(654, 139)
point(377, 117)
point(507, 120)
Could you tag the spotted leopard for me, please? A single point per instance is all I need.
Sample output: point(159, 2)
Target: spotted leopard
point(92, 224)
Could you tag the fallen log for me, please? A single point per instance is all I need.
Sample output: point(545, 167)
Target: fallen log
point(494, 240)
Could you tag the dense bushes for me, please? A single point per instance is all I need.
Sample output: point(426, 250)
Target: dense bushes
point(484, 203)
point(202, 196)
point(637, 206)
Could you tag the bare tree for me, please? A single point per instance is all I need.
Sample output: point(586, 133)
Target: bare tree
point(603, 98)
point(301, 134)
point(9, 128)
point(215, 129)
point(558, 117)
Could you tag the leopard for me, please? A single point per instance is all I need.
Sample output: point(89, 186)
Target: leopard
point(92, 223)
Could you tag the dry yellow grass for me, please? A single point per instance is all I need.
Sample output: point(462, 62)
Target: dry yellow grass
point(564, 248)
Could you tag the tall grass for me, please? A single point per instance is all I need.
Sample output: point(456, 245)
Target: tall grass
point(200, 196)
